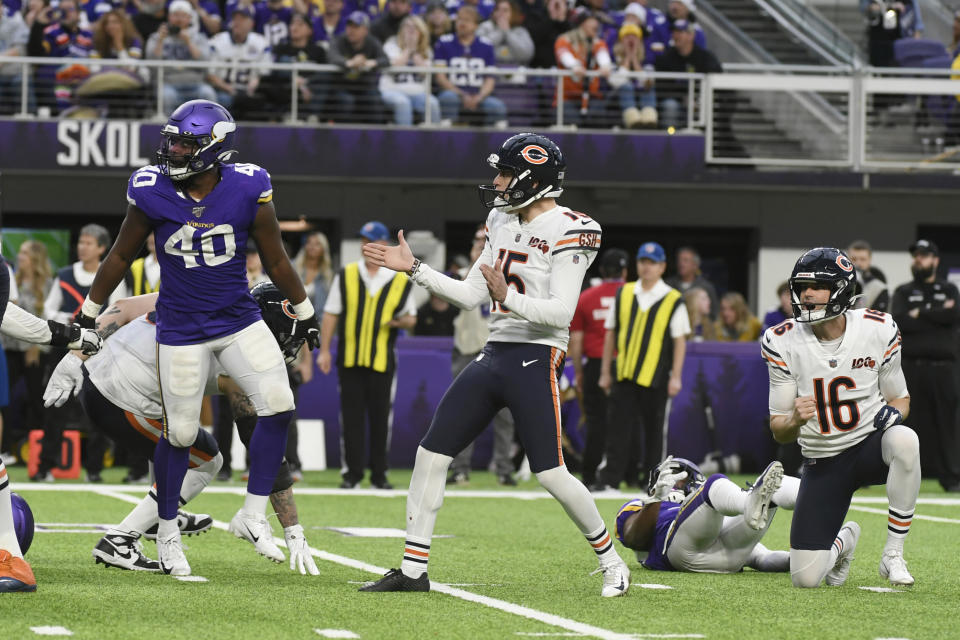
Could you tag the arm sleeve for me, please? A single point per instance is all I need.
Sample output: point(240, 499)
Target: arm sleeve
point(25, 326)
point(892, 383)
point(566, 276)
point(783, 391)
point(466, 293)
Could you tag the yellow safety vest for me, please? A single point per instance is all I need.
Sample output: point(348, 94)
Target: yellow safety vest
point(644, 345)
point(140, 283)
point(366, 337)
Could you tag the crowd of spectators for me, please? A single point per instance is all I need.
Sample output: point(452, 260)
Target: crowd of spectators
point(620, 40)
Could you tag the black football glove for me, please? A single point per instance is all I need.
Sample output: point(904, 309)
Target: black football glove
point(887, 417)
point(308, 330)
point(84, 321)
point(87, 341)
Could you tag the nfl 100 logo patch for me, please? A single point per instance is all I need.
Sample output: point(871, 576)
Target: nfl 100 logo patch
point(198, 211)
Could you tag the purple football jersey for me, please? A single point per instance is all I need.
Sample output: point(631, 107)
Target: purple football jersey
point(658, 554)
point(201, 248)
point(465, 63)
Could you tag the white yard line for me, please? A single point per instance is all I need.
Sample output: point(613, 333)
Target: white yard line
point(502, 605)
point(532, 494)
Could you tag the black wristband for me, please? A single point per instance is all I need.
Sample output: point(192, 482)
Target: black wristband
point(61, 335)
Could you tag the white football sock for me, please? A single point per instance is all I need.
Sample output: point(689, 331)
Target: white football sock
point(255, 505)
point(580, 506)
point(901, 452)
point(763, 559)
point(726, 497)
point(8, 536)
point(423, 501)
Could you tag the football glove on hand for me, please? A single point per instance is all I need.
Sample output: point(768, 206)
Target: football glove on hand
point(84, 321)
point(887, 417)
point(65, 381)
point(300, 556)
point(74, 337)
point(667, 479)
point(308, 330)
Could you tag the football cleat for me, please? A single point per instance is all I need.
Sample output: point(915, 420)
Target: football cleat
point(190, 524)
point(756, 512)
point(254, 528)
point(894, 568)
point(396, 580)
point(616, 579)
point(123, 551)
point(15, 574)
point(838, 575)
point(170, 553)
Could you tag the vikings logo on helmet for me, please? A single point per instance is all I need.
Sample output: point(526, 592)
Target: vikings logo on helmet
point(202, 125)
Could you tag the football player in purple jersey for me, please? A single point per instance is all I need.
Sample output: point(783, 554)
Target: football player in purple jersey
point(201, 209)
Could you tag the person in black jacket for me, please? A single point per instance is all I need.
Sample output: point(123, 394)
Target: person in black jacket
point(928, 313)
point(355, 94)
point(683, 57)
point(312, 87)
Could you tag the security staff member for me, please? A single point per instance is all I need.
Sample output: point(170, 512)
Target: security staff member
point(928, 314)
point(366, 305)
point(587, 334)
point(647, 325)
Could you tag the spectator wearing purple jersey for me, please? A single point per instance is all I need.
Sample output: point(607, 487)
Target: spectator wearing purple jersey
point(66, 39)
point(512, 44)
point(96, 9)
point(653, 24)
point(272, 19)
point(464, 89)
point(683, 10)
point(355, 93)
point(331, 23)
point(405, 93)
point(388, 24)
point(174, 40)
point(438, 22)
point(483, 7)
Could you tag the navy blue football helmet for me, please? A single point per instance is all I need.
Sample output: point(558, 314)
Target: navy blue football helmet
point(827, 267)
point(691, 483)
point(23, 524)
point(205, 125)
point(537, 167)
point(280, 317)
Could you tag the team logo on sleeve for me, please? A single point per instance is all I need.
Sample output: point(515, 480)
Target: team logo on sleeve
point(534, 154)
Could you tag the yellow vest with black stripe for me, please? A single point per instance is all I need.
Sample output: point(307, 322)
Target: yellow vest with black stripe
point(140, 283)
point(644, 344)
point(366, 337)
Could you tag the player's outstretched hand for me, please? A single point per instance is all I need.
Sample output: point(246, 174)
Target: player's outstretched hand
point(65, 381)
point(300, 557)
point(496, 283)
point(397, 258)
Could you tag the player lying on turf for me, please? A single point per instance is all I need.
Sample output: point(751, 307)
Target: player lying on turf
point(689, 523)
point(118, 390)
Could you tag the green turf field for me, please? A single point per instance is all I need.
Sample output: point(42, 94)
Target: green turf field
point(515, 567)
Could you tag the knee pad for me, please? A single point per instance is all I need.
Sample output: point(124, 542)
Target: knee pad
point(185, 373)
point(260, 348)
point(277, 396)
point(901, 442)
point(182, 434)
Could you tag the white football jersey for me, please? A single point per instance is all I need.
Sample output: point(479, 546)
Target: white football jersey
point(125, 369)
point(533, 257)
point(849, 384)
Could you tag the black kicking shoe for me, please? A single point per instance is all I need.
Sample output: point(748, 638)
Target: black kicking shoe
point(382, 485)
point(395, 580)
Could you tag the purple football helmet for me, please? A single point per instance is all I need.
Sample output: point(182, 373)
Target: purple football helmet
point(691, 483)
point(202, 125)
point(22, 522)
